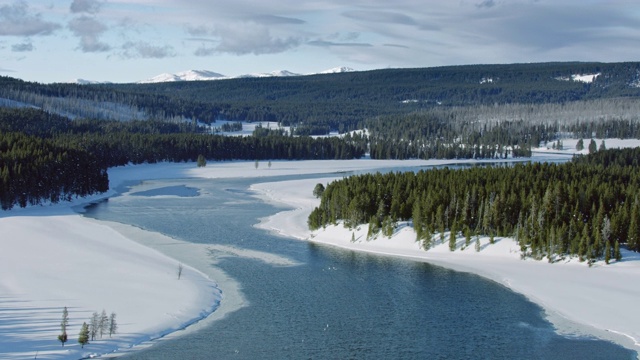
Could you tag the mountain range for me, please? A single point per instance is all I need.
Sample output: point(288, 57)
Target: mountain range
point(204, 75)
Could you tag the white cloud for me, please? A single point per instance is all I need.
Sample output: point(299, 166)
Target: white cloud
point(17, 20)
point(22, 47)
point(89, 30)
point(85, 6)
point(146, 50)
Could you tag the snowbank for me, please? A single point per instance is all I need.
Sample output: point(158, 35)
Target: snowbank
point(52, 258)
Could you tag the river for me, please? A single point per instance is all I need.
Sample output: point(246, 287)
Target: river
point(330, 303)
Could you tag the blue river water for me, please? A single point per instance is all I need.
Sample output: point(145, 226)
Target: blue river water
point(337, 304)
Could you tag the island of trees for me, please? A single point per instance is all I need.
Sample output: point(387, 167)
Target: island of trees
point(588, 207)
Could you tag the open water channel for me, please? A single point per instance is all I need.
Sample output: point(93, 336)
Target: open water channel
point(334, 303)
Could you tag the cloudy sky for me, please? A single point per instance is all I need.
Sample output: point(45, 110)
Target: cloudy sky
point(131, 40)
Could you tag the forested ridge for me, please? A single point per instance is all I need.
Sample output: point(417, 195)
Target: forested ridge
point(316, 104)
point(588, 207)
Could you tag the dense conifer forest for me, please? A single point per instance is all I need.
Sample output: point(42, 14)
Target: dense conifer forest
point(588, 207)
point(316, 104)
point(46, 157)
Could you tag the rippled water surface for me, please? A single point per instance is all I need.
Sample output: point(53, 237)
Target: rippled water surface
point(338, 304)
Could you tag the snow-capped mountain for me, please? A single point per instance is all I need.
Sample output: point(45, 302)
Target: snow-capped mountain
point(336, 70)
point(277, 73)
point(189, 75)
point(200, 75)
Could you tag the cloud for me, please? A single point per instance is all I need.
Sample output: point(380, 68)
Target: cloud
point(145, 50)
point(396, 46)
point(380, 17)
point(277, 20)
point(89, 31)
point(15, 20)
point(553, 27)
point(244, 38)
point(486, 4)
point(23, 47)
point(323, 43)
point(205, 51)
point(85, 6)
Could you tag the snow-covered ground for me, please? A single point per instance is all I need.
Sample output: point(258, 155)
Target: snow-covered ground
point(53, 257)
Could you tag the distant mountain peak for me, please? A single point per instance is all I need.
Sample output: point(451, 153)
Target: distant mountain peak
point(336, 70)
point(275, 73)
point(189, 75)
point(202, 75)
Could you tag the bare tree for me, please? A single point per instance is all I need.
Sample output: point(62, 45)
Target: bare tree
point(180, 268)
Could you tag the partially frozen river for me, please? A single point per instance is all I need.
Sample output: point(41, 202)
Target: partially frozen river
point(328, 303)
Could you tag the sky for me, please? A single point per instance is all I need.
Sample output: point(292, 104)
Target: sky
point(132, 40)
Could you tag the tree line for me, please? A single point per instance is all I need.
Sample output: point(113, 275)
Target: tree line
point(46, 157)
point(587, 208)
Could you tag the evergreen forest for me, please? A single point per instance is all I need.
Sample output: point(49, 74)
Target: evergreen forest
point(588, 207)
point(47, 157)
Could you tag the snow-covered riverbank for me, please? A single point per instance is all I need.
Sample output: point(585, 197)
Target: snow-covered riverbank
point(53, 257)
point(578, 299)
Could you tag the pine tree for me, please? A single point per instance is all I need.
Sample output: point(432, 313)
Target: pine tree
point(103, 323)
point(113, 325)
point(83, 338)
point(467, 237)
point(318, 190)
point(417, 219)
point(593, 147)
point(607, 252)
point(94, 326)
point(63, 326)
point(633, 236)
point(616, 251)
point(580, 145)
point(452, 239)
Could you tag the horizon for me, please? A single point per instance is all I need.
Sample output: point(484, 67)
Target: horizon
point(125, 41)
